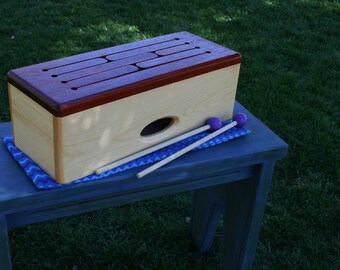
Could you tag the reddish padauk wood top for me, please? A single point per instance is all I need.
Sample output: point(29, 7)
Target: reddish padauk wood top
point(83, 81)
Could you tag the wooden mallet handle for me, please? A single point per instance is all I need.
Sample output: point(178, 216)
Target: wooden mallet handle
point(239, 120)
point(213, 123)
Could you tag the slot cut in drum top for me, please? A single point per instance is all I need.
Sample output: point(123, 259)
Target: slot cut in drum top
point(83, 81)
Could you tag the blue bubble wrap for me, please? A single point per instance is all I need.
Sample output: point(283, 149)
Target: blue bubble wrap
point(43, 181)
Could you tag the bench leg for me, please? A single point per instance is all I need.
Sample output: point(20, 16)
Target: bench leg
point(204, 219)
point(5, 254)
point(242, 216)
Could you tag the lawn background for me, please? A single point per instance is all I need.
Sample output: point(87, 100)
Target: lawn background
point(289, 79)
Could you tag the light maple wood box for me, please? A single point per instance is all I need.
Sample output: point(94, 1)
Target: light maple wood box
point(76, 114)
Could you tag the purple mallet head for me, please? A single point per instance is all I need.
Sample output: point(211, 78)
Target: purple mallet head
point(241, 119)
point(214, 123)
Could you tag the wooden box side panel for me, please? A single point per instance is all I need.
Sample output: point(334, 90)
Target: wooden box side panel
point(32, 129)
point(95, 137)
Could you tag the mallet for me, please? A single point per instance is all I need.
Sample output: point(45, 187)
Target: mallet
point(213, 124)
point(239, 120)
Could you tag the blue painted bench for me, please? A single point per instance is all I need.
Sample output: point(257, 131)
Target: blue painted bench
point(232, 178)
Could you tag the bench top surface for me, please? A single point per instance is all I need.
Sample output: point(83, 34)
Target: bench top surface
point(262, 144)
point(72, 84)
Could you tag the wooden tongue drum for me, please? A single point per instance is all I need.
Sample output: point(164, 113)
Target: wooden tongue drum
point(74, 115)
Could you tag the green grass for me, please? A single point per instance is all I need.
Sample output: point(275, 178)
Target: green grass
point(289, 78)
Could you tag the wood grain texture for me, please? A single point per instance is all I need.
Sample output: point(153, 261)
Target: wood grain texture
point(95, 137)
point(185, 150)
point(198, 169)
point(149, 150)
point(33, 129)
point(66, 77)
point(177, 57)
point(144, 49)
point(209, 173)
point(102, 76)
point(170, 58)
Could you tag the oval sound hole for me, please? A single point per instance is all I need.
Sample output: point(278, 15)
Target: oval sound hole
point(157, 126)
